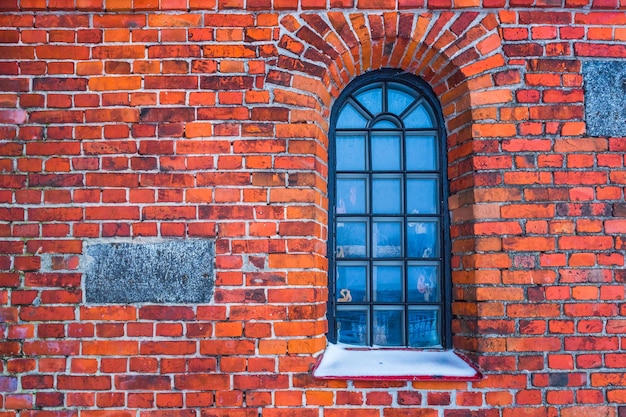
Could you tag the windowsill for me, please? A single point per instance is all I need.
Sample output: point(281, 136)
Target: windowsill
point(349, 362)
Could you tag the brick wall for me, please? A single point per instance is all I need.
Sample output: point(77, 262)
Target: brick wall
point(122, 119)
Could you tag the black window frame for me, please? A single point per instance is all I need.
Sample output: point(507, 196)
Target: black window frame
point(421, 87)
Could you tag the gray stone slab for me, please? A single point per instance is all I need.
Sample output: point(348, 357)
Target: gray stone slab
point(176, 271)
point(605, 97)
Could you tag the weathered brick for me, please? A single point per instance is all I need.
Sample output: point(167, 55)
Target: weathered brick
point(183, 120)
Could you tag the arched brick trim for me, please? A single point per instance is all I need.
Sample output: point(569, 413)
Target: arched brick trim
point(460, 55)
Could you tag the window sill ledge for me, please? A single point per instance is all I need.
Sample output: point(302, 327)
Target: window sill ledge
point(349, 362)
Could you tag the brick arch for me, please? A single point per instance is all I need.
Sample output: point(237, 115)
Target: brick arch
point(459, 54)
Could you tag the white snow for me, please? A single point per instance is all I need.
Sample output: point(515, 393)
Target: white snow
point(349, 362)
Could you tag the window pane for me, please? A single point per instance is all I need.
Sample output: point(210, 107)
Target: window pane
point(350, 118)
point(351, 283)
point(350, 151)
point(385, 124)
point(351, 239)
point(387, 238)
point(351, 195)
point(386, 154)
point(388, 326)
point(421, 153)
point(422, 238)
point(422, 196)
point(398, 99)
point(387, 195)
point(387, 281)
point(423, 285)
point(372, 100)
point(352, 325)
point(424, 327)
point(419, 118)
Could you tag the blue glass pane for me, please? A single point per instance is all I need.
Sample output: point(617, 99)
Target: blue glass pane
point(387, 281)
point(351, 283)
point(398, 99)
point(372, 100)
point(386, 153)
point(423, 239)
point(351, 239)
point(388, 326)
point(424, 328)
point(423, 285)
point(349, 118)
point(385, 124)
point(351, 195)
point(387, 195)
point(421, 153)
point(419, 118)
point(352, 326)
point(387, 239)
point(422, 196)
point(350, 153)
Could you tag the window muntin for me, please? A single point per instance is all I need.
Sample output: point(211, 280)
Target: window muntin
point(389, 264)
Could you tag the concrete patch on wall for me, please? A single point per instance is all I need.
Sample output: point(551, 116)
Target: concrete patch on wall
point(605, 97)
point(176, 271)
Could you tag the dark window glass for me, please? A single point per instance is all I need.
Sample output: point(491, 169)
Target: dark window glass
point(389, 265)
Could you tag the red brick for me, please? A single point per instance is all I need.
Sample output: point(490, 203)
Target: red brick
point(580, 411)
point(587, 243)
point(110, 348)
point(591, 343)
point(46, 348)
point(91, 383)
point(47, 313)
point(109, 313)
point(143, 382)
point(199, 381)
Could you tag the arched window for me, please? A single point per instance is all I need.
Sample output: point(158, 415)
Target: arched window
point(389, 241)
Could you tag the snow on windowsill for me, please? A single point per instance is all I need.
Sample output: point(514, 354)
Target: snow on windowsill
point(349, 362)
